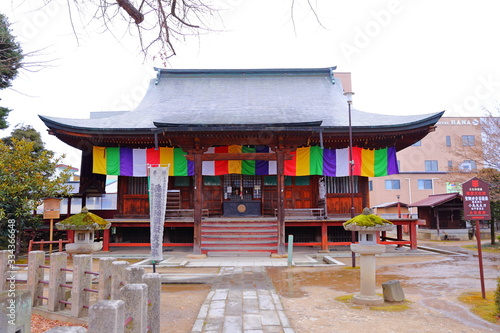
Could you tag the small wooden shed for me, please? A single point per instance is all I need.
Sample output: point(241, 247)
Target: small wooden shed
point(443, 217)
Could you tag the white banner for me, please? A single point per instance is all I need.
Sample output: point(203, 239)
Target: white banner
point(158, 185)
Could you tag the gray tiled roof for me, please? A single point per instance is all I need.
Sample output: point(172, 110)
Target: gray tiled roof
point(241, 97)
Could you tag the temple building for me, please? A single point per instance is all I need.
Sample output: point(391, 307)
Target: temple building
point(254, 155)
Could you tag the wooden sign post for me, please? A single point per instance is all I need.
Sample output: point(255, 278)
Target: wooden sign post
point(476, 199)
point(51, 210)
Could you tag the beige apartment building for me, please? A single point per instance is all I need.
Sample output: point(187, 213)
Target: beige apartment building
point(424, 166)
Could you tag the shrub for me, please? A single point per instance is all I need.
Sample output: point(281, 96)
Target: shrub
point(497, 297)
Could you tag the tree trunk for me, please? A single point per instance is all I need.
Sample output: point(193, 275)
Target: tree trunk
point(492, 231)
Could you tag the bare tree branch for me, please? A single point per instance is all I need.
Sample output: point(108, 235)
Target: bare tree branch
point(131, 10)
point(158, 24)
point(313, 10)
point(72, 25)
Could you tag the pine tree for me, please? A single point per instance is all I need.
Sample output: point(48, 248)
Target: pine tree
point(11, 57)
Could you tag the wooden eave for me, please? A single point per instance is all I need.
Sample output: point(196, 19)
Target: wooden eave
point(203, 139)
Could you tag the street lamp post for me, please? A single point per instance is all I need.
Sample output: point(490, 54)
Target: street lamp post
point(399, 228)
point(432, 184)
point(409, 195)
point(399, 206)
point(351, 166)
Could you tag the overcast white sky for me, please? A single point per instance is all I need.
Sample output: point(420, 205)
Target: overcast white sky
point(406, 57)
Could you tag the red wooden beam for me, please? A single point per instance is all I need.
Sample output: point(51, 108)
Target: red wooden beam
point(147, 244)
point(238, 156)
point(395, 242)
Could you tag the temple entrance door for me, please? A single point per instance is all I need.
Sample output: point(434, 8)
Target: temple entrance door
point(299, 192)
point(212, 194)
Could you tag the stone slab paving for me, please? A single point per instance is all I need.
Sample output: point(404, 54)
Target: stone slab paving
point(242, 300)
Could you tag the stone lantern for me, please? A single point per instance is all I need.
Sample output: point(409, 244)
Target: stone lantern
point(84, 224)
point(368, 225)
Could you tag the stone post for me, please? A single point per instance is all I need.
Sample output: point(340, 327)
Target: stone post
point(5, 267)
point(15, 311)
point(135, 297)
point(153, 281)
point(81, 281)
point(367, 271)
point(134, 274)
point(367, 248)
point(118, 278)
point(35, 274)
point(107, 316)
point(57, 277)
point(393, 291)
point(105, 273)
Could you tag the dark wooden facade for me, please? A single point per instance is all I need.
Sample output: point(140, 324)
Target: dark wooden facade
point(297, 196)
point(441, 211)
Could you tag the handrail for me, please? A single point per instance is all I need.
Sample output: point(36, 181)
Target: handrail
point(42, 243)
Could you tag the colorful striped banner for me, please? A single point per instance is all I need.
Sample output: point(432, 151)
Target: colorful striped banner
point(305, 161)
point(245, 167)
point(135, 162)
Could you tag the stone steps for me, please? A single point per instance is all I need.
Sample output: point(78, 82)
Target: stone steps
point(239, 236)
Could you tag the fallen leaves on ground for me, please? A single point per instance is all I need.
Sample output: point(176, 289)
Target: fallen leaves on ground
point(40, 324)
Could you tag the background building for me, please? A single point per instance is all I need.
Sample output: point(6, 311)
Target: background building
point(424, 167)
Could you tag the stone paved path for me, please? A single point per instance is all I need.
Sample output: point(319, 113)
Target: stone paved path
point(244, 300)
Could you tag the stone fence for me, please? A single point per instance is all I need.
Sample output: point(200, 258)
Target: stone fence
point(126, 299)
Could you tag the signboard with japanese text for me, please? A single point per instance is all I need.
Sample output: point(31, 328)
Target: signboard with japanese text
point(476, 198)
point(51, 208)
point(158, 185)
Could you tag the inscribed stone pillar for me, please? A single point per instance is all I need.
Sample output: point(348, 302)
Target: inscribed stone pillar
point(135, 297)
point(15, 311)
point(81, 281)
point(107, 316)
point(134, 274)
point(153, 280)
point(57, 277)
point(35, 274)
point(118, 278)
point(105, 273)
point(4, 269)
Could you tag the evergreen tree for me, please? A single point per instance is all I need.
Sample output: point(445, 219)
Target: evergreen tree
point(26, 178)
point(11, 56)
point(26, 132)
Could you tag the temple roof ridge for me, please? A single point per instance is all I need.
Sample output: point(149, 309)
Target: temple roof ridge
point(211, 99)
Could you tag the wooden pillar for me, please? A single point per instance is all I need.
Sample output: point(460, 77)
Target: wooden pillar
point(70, 235)
point(198, 201)
point(413, 235)
point(324, 237)
point(280, 164)
point(399, 231)
point(105, 239)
